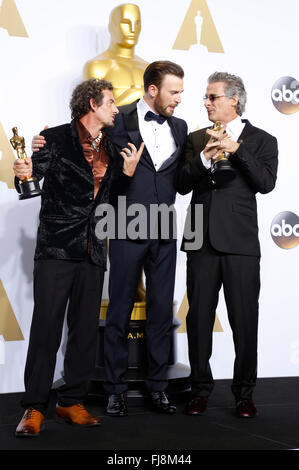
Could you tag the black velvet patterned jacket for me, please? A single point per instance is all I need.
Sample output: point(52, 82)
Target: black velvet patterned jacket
point(67, 215)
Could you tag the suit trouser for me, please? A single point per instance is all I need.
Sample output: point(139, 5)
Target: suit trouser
point(56, 284)
point(207, 271)
point(127, 258)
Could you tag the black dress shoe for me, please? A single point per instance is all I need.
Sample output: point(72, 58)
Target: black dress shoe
point(117, 405)
point(161, 403)
point(246, 409)
point(196, 406)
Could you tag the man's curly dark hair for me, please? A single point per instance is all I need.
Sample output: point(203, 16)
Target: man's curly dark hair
point(92, 88)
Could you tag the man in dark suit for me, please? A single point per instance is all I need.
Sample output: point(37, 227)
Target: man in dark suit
point(149, 120)
point(230, 253)
point(79, 165)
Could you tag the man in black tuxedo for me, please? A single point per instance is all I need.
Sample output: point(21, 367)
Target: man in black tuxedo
point(230, 253)
point(149, 120)
point(78, 165)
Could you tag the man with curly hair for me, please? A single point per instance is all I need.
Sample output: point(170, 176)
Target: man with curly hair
point(78, 165)
point(151, 121)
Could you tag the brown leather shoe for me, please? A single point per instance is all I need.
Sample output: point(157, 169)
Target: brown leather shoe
point(31, 424)
point(246, 409)
point(196, 406)
point(76, 414)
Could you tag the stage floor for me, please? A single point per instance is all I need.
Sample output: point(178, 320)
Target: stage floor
point(276, 428)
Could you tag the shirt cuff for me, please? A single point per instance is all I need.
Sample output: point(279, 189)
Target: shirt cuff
point(206, 163)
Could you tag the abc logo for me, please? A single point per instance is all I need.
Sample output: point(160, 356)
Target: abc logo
point(285, 95)
point(285, 230)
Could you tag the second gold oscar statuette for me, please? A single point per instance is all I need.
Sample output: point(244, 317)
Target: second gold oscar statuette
point(29, 186)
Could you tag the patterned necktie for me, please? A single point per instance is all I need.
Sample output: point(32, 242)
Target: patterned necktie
point(154, 117)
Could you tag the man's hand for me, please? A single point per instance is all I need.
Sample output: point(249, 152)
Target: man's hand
point(23, 168)
point(211, 150)
point(131, 158)
point(228, 145)
point(219, 143)
point(38, 142)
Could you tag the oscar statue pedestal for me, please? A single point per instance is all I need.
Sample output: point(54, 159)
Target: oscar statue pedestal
point(177, 373)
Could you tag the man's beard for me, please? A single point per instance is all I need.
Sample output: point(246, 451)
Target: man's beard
point(109, 124)
point(161, 110)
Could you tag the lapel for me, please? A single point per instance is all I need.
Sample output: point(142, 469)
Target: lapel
point(78, 153)
point(205, 137)
point(247, 130)
point(201, 138)
point(176, 135)
point(174, 129)
point(132, 128)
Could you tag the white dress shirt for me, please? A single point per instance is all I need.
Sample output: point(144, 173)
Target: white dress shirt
point(234, 129)
point(157, 138)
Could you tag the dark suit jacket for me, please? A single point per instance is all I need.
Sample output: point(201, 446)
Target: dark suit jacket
point(229, 211)
point(67, 214)
point(147, 186)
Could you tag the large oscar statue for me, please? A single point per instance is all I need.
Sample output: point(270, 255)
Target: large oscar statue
point(119, 65)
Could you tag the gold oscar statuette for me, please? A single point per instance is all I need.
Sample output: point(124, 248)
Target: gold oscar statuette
point(222, 170)
point(119, 64)
point(29, 186)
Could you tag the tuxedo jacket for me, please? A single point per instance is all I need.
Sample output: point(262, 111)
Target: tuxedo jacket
point(230, 210)
point(147, 186)
point(67, 214)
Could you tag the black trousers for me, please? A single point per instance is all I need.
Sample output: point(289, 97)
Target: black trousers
point(58, 283)
point(207, 271)
point(127, 258)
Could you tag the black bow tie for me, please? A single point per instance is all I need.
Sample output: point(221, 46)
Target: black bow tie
point(154, 117)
